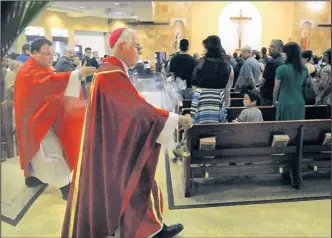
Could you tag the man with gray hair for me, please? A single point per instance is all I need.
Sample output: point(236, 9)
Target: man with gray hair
point(269, 74)
point(115, 186)
point(65, 63)
point(249, 73)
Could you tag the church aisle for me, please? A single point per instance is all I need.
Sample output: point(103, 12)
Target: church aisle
point(299, 219)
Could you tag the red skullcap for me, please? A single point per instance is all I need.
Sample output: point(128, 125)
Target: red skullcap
point(115, 36)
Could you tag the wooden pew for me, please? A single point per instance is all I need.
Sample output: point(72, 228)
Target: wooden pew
point(240, 143)
point(269, 112)
point(235, 102)
point(236, 95)
point(316, 159)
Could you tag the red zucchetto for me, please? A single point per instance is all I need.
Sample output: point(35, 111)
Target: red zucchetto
point(115, 36)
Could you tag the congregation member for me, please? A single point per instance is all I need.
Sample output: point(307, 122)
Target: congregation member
point(26, 52)
point(267, 84)
point(265, 57)
point(290, 79)
point(306, 57)
point(10, 77)
point(324, 97)
point(212, 80)
point(249, 73)
point(182, 66)
point(251, 113)
point(65, 63)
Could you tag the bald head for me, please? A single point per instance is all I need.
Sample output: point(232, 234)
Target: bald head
point(127, 47)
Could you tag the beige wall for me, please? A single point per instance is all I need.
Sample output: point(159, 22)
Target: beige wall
point(280, 20)
point(276, 17)
point(320, 38)
point(49, 19)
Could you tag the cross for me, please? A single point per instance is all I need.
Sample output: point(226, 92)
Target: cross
point(240, 19)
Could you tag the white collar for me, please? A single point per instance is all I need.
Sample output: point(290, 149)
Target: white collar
point(124, 66)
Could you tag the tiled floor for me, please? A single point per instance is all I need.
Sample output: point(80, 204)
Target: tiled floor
point(299, 219)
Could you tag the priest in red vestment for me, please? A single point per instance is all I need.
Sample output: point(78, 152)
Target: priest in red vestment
point(114, 184)
point(49, 114)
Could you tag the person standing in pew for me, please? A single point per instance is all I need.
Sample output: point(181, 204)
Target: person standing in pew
point(249, 74)
point(251, 113)
point(288, 94)
point(212, 80)
point(267, 84)
point(324, 96)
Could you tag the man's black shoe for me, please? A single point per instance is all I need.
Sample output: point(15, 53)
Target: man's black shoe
point(32, 182)
point(169, 231)
point(65, 191)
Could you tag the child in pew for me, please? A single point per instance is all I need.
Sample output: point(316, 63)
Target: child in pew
point(251, 113)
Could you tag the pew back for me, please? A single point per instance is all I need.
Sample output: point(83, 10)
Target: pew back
point(269, 112)
point(253, 141)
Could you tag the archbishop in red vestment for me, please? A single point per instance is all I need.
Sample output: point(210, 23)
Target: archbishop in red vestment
point(114, 185)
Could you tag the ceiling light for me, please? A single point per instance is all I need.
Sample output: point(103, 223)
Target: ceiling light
point(82, 7)
point(116, 3)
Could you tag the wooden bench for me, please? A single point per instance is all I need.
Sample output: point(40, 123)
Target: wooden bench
point(238, 144)
point(269, 112)
point(316, 158)
point(236, 95)
point(235, 102)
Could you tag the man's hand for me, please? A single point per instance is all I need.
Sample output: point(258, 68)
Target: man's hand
point(185, 122)
point(87, 71)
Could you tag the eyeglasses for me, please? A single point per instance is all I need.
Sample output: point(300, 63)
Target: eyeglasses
point(45, 54)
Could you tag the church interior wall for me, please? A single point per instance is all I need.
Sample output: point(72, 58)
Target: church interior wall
point(279, 20)
point(51, 19)
point(319, 37)
point(275, 18)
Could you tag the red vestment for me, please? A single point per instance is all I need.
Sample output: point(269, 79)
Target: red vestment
point(39, 104)
point(114, 182)
point(304, 43)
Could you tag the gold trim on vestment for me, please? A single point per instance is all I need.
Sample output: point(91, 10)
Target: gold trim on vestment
point(154, 210)
point(78, 167)
point(159, 199)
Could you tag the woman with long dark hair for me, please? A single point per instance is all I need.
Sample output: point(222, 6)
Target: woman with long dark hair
point(212, 80)
point(288, 93)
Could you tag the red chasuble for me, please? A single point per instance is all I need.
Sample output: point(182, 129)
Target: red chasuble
point(114, 182)
point(39, 104)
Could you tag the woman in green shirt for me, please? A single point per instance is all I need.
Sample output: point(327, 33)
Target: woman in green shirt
point(288, 90)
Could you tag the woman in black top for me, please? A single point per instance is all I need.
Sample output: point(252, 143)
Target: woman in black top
point(212, 80)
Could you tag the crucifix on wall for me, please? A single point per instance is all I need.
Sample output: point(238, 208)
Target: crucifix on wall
point(240, 19)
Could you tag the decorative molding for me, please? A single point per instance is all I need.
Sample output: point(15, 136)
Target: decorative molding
point(311, 23)
point(184, 20)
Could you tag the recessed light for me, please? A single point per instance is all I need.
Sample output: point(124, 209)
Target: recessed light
point(82, 7)
point(116, 3)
